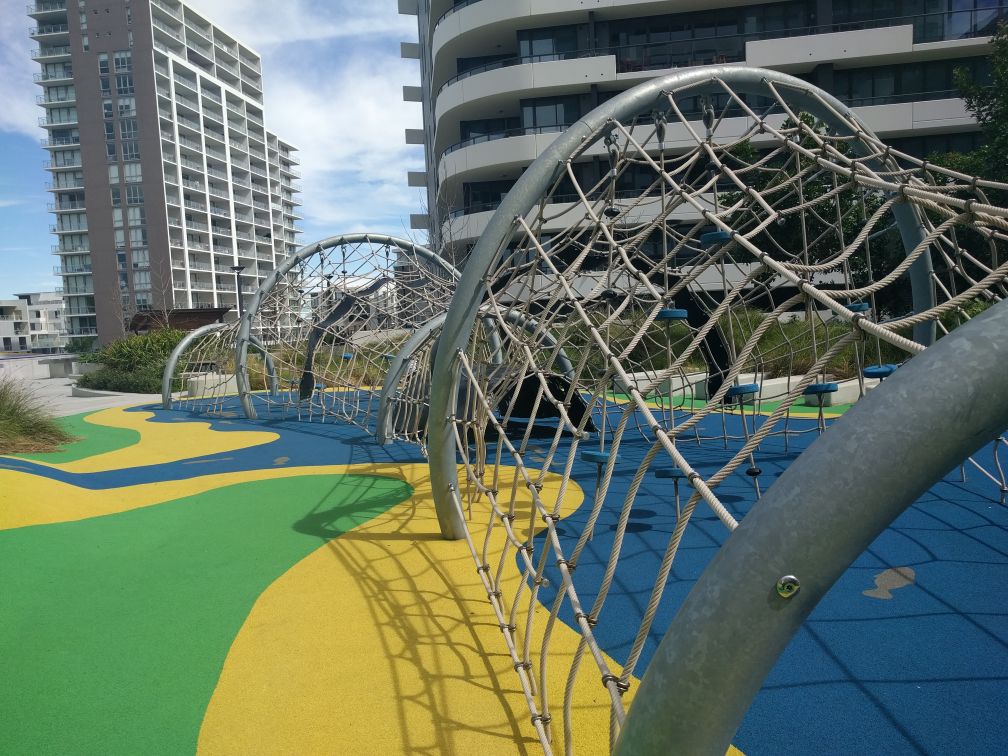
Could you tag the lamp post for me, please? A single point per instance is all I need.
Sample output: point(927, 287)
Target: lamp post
point(237, 269)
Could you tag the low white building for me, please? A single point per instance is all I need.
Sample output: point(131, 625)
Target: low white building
point(33, 322)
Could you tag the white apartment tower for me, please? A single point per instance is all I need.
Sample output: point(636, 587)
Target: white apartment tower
point(499, 79)
point(168, 190)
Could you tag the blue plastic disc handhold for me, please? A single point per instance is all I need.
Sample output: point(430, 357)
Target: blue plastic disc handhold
point(859, 307)
point(672, 313)
point(714, 237)
point(347, 355)
point(821, 388)
point(879, 371)
point(668, 472)
point(742, 389)
point(598, 457)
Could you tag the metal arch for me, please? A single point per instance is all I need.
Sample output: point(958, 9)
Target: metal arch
point(538, 177)
point(169, 371)
point(306, 252)
point(170, 365)
point(394, 375)
point(819, 516)
point(417, 339)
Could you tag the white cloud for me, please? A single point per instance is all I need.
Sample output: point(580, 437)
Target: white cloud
point(333, 88)
point(17, 90)
point(268, 23)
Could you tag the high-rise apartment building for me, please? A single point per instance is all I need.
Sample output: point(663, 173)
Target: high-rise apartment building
point(499, 79)
point(168, 191)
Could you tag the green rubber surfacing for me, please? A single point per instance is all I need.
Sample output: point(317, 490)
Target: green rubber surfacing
point(114, 630)
point(92, 440)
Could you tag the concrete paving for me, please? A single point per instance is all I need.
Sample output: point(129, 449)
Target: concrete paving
point(55, 394)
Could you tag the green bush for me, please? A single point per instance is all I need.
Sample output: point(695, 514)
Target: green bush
point(25, 424)
point(146, 380)
point(138, 352)
point(134, 364)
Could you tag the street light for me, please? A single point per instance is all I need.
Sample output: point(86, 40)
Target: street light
point(237, 269)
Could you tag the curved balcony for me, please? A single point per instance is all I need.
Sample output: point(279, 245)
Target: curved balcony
point(475, 27)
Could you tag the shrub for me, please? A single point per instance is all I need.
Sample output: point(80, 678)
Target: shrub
point(137, 352)
point(134, 364)
point(25, 424)
point(145, 380)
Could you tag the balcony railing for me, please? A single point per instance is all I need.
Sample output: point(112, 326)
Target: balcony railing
point(167, 9)
point(455, 8)
point(46, 122)
point(43, 29)
point(51, 52)
point(61, 142)
point(44, 100)
point(63, 75)
point(48, 165)
point(158, 24)
point(927, 27)
point(46, 6)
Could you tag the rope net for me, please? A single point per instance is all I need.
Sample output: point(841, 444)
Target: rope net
point(203, 381)
point(333, 322)
point(700, 310)
point(409, 397)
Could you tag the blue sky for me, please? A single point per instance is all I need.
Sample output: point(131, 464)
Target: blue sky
point(333, 87)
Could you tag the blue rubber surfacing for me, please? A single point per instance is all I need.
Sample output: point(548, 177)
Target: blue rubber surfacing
point(922, 671)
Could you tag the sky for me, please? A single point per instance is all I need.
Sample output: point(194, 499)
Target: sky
point(333, 83)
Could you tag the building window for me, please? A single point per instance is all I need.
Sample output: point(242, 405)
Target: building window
point(550, 113)
point(548, 44)
point(103, 64)
point(141, 258)
point(134, 194)
point(135, 215)
point(116, 196)
point(107, 108)
point(124, 84)
point(103, 83)
point(131, 149)
point(110, 131)
point(131, 172)
point(128, 128)
point(120, 239)
point(138, 237)
point(127, 106)
point(117, 217)
point(123, 61)
point(85, 43)
point(113, 174)
point(141, 279)
point(110, 151)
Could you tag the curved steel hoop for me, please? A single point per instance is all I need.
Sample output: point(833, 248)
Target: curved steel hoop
point(333, 315)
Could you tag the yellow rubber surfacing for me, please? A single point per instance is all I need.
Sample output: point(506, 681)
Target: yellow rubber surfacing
point(383, 641)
